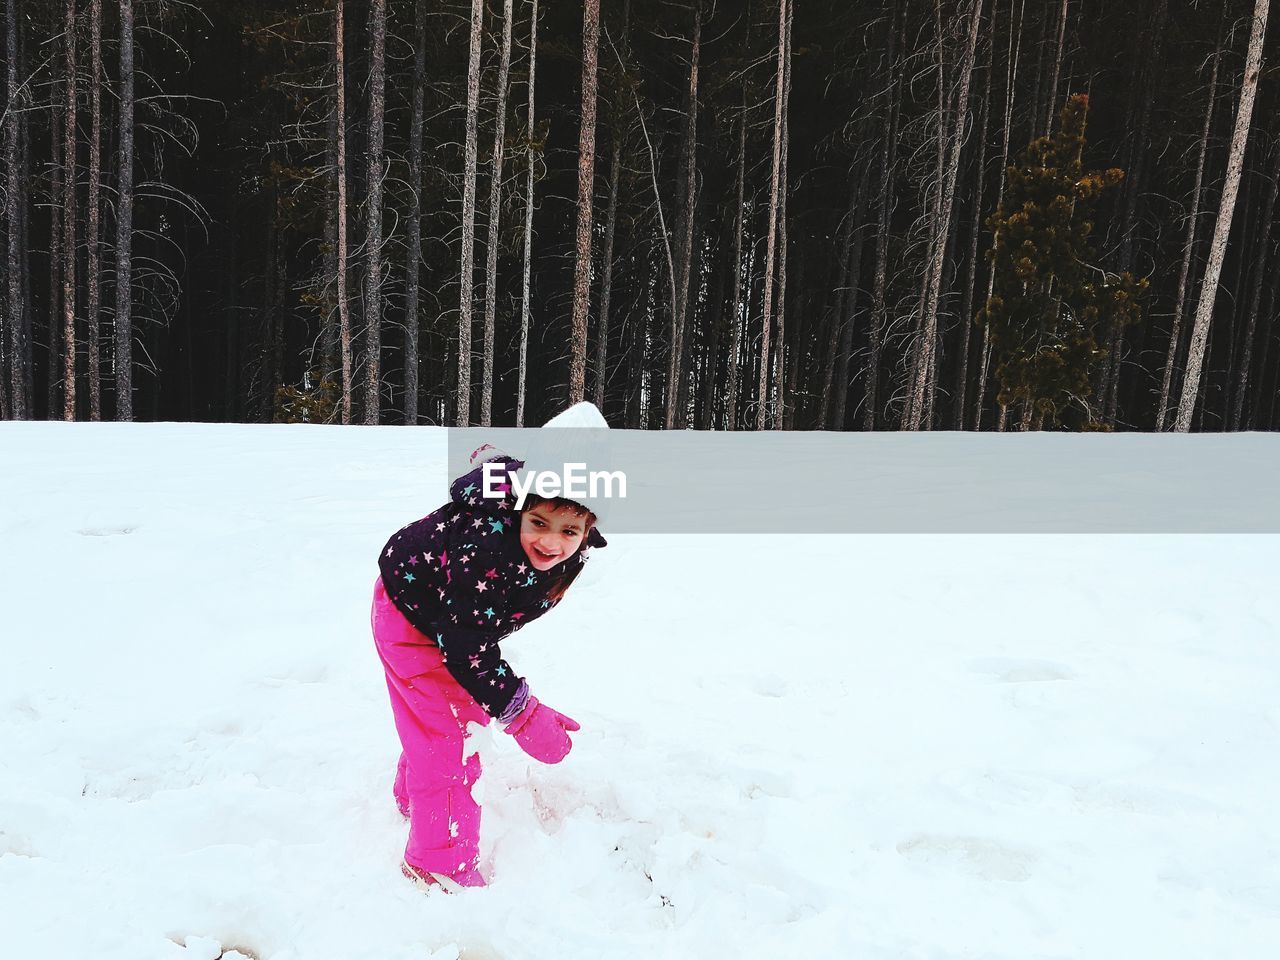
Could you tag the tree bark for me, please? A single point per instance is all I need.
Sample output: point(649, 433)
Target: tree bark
point(1222, 227)
point(606, 282)
point(93, 229)
point(1255, 294)
point(467, 291)
point(495, 211)
point(1052, 111)
point(69, 182)
point(528, 220)
point(888, 166)
point(1188, 247)
point(914, 418)
point(966, 304)
point(373, 236)
point(679, 318)
point(849, 318)
point(1248, 228)
point(272, 309)
point(411, 324)
point(1011, 73)
point(771, 233)
point(586, 185)
point(124, 223)
point(739, 319)
point(19, 334)
point(344, 309)
point(710, 386)
point(781, 352)
point(837, 314)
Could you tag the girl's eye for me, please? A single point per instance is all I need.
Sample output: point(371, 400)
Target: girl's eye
point(537, 522)
point(570, 533)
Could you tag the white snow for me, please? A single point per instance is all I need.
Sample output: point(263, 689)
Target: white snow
point(792, 747)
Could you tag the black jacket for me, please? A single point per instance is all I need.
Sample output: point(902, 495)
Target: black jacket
point(460, 576)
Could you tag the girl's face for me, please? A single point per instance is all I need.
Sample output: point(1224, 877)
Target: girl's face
point(550, 535)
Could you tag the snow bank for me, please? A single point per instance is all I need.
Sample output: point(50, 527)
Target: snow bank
point(871, 746)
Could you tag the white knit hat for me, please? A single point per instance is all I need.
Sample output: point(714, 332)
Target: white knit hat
point(578, 437)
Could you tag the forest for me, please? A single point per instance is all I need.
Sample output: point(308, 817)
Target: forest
point(710, 214)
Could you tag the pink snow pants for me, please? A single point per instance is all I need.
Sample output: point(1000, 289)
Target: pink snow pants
point(433, 784)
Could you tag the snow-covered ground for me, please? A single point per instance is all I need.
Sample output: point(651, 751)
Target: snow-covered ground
point(792, 747)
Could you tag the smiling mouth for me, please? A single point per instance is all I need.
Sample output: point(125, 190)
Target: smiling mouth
point(543, 555)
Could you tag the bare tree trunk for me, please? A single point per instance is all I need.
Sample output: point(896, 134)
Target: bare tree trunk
point(851, 309)
point(847, 228)
point(600, 373)
point(25, 348)
point(1222, 228)
point(780, 353)
point(687, 377)
point(54, 313)
point(528, 221)
point(373, 237)
point(1011, 74)
point(495, 212)
point(931, 389)
point(124, 222)
point(606, 283)
point(1052, 111)
point(411, 324)
point(69, 182)
point(966, 304)
point(771, 234)
point(344, 310)
point(586, 194)
point(467, 294)
point(1255, 294)
point(914, 415)
point(1188, 246)
point(888, 165)
point(797, 354)
point(94, 238)
point(676, 334)
point(1248, 217)
point(273, 307)
point(327, 363)
point(664, 235)
point(711, 384)
point(19, 335)
point(931, 206)
point(739, 321)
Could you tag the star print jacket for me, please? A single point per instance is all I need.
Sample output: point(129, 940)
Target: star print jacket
point(460, 576)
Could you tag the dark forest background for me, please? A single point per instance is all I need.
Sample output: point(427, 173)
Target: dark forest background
point(931, 214)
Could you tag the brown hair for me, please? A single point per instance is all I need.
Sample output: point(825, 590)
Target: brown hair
point(569, 569)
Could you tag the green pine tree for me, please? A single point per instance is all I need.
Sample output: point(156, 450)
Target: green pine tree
point(1051, 303)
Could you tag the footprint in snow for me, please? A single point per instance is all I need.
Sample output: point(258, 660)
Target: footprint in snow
point(974, 856)
point(1021, 671)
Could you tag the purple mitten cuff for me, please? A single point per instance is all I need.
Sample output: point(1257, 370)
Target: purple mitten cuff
point(517, 704)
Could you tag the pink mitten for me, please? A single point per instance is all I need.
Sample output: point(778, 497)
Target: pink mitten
point(542, 732)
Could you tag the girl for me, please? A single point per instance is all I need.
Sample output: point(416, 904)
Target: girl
point(452, 586)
